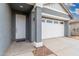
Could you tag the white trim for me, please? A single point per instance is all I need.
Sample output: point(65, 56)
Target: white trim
point(39, 4)
point(31, 3)
point(56, 17)
point(56, 10)
point(39, 44)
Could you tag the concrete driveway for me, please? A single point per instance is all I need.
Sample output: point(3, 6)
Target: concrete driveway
point(63, 46)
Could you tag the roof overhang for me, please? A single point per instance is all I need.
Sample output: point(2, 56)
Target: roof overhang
point(67, 10)
point(73, 21)
point(21, 7)
point(31, 4)
point(54, 17)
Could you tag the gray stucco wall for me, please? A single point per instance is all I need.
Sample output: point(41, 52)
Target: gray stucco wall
point(5, 28)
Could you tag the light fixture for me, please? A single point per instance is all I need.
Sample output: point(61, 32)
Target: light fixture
point(21, 6)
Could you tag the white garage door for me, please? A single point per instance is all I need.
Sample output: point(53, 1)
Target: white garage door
point(52, 28)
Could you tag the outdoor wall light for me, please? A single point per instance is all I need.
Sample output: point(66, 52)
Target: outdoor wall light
point(21, 6)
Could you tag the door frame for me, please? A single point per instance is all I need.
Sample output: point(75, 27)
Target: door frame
point(21, 39)
point(13, 23)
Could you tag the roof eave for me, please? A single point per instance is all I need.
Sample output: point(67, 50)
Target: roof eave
point(67, 10)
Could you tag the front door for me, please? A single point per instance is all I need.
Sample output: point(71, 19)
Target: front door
point(20, 26)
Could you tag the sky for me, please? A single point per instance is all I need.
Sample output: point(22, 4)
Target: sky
point(74, 9)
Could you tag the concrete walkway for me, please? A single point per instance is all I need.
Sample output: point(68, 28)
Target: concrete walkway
point(63, 46)
point(20, 49)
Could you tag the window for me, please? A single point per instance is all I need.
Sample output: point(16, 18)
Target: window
point(77, 29)
point(49, 21)
point(43, 20)
point(55, 22)
point(61, 22)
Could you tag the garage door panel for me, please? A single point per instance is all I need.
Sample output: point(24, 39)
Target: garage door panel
point(50, 30)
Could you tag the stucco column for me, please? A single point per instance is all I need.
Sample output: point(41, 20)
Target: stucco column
point(66, 29)
point(69, 30)
point(38, 33)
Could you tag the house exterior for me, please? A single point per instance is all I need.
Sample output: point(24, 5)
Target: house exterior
point(33, 22)
point(74, 28)
point(74, 22)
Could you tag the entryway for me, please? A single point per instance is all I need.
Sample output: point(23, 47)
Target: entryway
point(21, 21)
point(20, 30)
